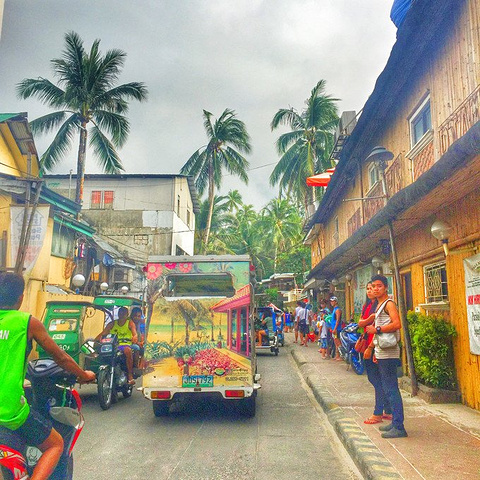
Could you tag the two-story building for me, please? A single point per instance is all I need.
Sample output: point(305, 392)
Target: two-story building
point(139, 214)
point(425, 110)
point(36, 223)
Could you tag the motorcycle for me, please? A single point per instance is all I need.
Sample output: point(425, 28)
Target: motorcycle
point(348, 337)
point(51, 393)
point(112, 375)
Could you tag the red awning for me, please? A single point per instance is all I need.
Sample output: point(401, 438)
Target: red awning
point(320, 180)
point(240, 299)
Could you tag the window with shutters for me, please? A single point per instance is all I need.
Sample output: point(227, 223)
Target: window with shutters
point(102, 200)
point(96, 202)
point(108, 199)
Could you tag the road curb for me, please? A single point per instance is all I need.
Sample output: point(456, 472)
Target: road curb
point(369, 459)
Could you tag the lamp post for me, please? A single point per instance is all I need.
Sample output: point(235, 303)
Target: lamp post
point(78, 281)
point(441, 231)
point(377, 262)
point(380, 156)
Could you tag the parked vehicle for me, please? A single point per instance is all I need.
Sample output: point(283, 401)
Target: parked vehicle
point(112, 377)
point(53, 395)
point(200, 336)
point(348, 337)
point(276, 336)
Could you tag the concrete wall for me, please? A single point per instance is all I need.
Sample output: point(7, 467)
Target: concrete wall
point(146, 218)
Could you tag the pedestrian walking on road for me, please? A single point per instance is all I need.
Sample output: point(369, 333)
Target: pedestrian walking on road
point(337, 322)
point(382, 410)
point(386, 329)
point(300, 307)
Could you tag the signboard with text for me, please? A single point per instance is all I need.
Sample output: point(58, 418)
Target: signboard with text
point(472, 287)
point(37, 234)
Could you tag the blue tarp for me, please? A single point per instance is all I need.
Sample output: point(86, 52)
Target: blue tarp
point(399, 11)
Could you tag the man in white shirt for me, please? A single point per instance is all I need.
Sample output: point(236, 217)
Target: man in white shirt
point(299, 309)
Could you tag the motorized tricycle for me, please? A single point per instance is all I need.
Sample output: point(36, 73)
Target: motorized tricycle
point(275, 332)
point(71, 323)
point(200, 337)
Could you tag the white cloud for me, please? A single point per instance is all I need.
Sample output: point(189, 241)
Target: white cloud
point(252, 56)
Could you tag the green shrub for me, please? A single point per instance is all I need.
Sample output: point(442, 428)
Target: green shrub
point(432, 350)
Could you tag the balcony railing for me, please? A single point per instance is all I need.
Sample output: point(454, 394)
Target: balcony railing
point(394, 176)
point(354, 222)
point(460, 121)
point(373, 205)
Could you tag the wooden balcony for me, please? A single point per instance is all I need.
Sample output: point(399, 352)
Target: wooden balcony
point(373, 205)
point(354, 222)
point(460, 121)
point(424, 160)
point(394, 176)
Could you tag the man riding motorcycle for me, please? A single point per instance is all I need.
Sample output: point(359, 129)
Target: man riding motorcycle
point(17, 330)
point(125, 330)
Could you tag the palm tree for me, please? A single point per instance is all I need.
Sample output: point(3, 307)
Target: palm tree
point(305, 150)
point(227, 139)
point(218, 217)
point(283, 224)
point(86, 93)
point(233, 200)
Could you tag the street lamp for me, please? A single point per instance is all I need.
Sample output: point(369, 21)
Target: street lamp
point(377, 262)
point(441, 231)
point(78, 281)
point(380, 156)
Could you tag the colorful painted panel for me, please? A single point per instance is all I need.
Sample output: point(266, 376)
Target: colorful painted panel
point(187, 339)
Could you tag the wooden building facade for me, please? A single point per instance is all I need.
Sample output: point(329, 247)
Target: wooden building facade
point(425, 109)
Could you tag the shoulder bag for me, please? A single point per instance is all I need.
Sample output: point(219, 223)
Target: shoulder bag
point(388, 339)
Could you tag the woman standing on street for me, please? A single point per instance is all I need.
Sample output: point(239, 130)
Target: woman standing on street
point(382, 410)
point(387, 353)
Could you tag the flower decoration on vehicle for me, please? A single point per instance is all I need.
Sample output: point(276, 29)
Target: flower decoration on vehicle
point(185, 267)
point(154, 270)
point(170, 266)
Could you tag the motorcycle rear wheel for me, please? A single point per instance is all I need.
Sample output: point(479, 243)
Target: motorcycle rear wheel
point(105, 393)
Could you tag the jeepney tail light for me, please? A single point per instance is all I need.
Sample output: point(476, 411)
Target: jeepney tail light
point(234, 393)
point(160, 395)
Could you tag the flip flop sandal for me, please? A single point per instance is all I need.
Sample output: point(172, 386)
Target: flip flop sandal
point(372, 420)
point(387, 416)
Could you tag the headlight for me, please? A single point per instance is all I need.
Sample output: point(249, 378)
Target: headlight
point(106, 349)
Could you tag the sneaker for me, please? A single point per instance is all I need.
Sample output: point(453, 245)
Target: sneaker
point(395, 433)
point(386, 428)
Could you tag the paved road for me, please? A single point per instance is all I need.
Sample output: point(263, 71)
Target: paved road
point(288, 439)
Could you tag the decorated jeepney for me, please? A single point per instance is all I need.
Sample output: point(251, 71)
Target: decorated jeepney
point(199, 333)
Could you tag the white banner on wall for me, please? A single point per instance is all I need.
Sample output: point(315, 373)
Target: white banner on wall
point(37, 235)
point(472, 287)
point(360, 279)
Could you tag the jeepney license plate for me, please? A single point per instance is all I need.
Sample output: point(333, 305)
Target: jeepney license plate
point(197, 381)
